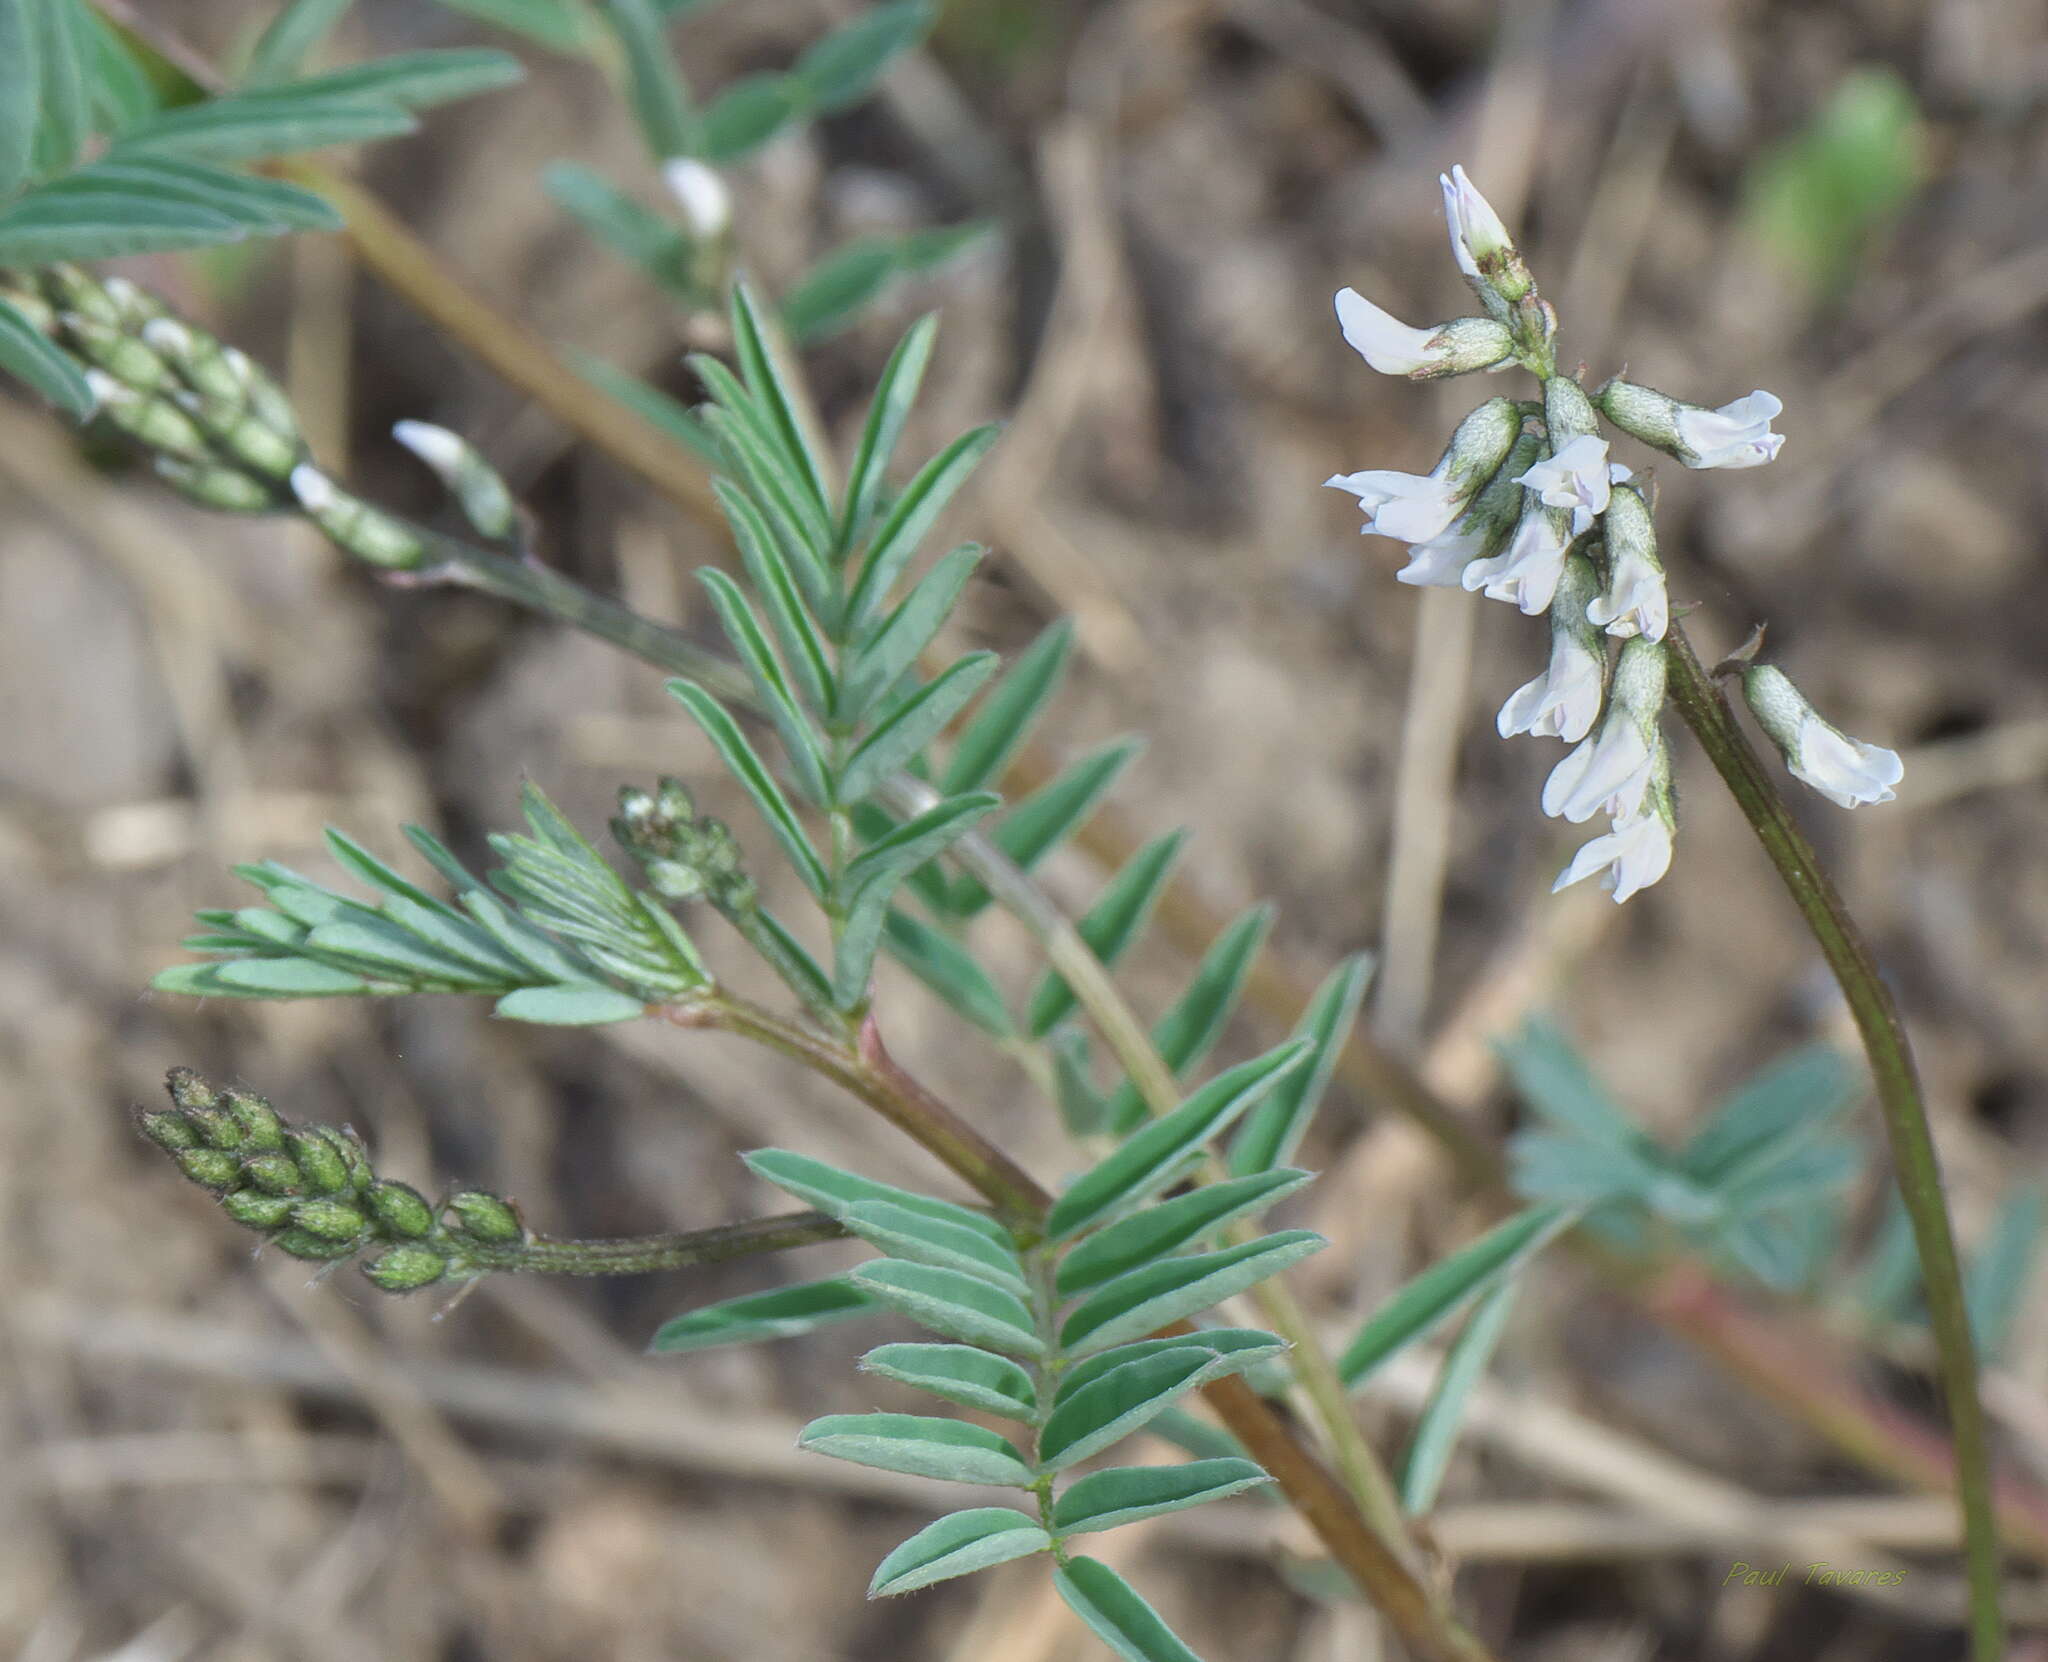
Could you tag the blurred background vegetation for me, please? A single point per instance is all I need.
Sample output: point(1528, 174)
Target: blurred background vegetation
point(1842, 202)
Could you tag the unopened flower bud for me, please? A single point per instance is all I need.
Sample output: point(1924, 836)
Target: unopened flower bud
point(216, 1127)
point(332, 1220)
point(258, 1211)
point(1416, 507)
point(1485, 253)
point(1394, 348)
point(120, 354)
point(1844, 770)
point(1479, 532)
point(406, 1268)
point(702, 196)
point(129, 305)
point(274, 1174)
point(479, 492)
point(1736, 435)
point(357, 528)
point(262, 1130)
point(189, 1090)
point(74, 289)
point(399, 1209)
point(213, 1168)
point(223, 489)
point(303, 1243)
point(321, 1168)
point(236, 429)
point(170, 1131)
point(486, 1216)
point(355, 1156)
point(155, 422)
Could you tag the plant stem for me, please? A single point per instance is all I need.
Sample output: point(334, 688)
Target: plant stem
point(638, 1254)
point(1914, 1160)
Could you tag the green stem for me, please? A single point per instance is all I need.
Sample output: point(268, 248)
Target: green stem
point(638, 1254)
point(1914, 1160)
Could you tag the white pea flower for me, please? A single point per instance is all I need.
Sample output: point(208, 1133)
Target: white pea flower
point(1395, 348)
point(1636, 602)
point(1611, 771)
point(1632, 854)
point(1527, 573)
point(1576, 477)
point(1845, 770)
point(1415, 507)
point(1736, 435)
point(1477, 235)
point(1479, 531)
point(1564, 701)
point(702, 196)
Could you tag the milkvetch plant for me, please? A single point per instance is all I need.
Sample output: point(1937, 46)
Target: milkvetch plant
point(871, 759)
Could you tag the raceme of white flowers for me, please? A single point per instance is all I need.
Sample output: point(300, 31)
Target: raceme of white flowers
point(1526, 506)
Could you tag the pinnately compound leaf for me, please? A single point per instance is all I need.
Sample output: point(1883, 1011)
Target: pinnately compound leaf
point(783, 1314)
point(1160, 1230)
point(1118, 1616)
point(1148, 1299)
point(952, 1302)
point(959, 1544)
point(1446, 1286)
point(1149, 1159)
point(921, 1445)
point(1126, 1494)
point(972, 1377)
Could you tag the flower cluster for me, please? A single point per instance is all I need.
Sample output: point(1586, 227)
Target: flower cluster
point(1526, 506)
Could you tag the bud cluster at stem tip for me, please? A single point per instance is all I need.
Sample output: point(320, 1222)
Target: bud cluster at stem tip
point(1525, 505)
point(310, 1191)
point(686, 855)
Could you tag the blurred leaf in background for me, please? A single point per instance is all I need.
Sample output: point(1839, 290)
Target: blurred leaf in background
point(1817, 201)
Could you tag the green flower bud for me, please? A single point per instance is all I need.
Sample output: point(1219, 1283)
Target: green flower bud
point(406, 1268)
point(353, 525)
point(76, 290)
point(486, 1216)
point(256, 1211)
point(354, 1155)
point(231, 424)
point(188, 1090)
point(399, 1209)
point(332, 1220)
point(225, 490)
point(155, 422)
point(479, 492)
point(127, 306)
point(216, 1127)
point(273, 1174)
point(120, 354)
point(212, 1168)
point(169, 1130)
point(303, 1243)
point(262, 1130)
point(322, 1170)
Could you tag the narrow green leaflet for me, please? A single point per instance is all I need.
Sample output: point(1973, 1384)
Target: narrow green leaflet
point(1044, 819)
point(1233, 1349)
point(674, 418)
point(787, 589)
point(56, 223)
point(252, 126)
point(747, 114)
point(955, 1303)
point(924, 1239)
point(841, 69)
point(1784, 1101)
point(1436, 1433)
point(905, 732)
point(30, 357)
point(922, 1445)
point(65, 119)
point(911, 518)
point(948, 970)
point(1010, 711)
point(1159, 1230)
point(654, 86)
point(785, 709)
point(894, 647)
point(1128, 1494)
point(965, 1374)
point(1148, 1160)
point(829, 1190)
point(1188, 1030)
point(1443, 1289)
point(959, 1544)
point(415, 80)
point(260, 205)
point(753, 347)
point(122, 92)
point(20, 94)
point(1273, 1131)
point(1111, 1408)
point(1117, 918)
point(1151, 1298)
point(895, 393)
point(558, 24)
point(748, 768)
point(833, 292)
point(291, 37)
point(1117, 1615)
point(1083, 1109)
point(587, 1006)
point(783, 1314)
point(636, 233)
point(1553, 1079)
